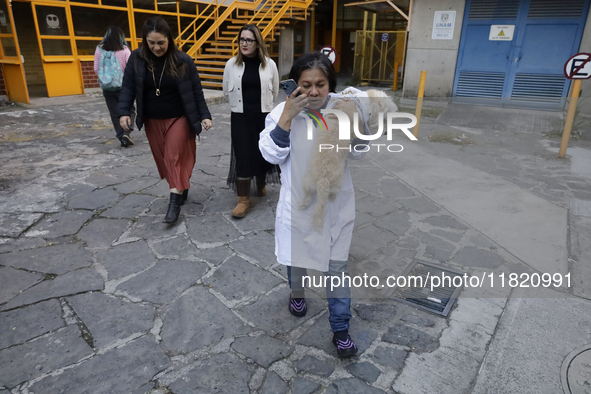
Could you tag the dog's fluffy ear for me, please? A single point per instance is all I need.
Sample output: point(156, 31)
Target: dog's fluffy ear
point(379, 102)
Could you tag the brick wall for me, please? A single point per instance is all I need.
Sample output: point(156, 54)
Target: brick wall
point(88, 76)
point(2, 85)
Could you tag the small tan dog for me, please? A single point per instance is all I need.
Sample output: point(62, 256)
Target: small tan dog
point(326, 168)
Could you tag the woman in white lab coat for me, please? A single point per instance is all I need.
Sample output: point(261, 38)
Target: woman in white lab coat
point(284, 141)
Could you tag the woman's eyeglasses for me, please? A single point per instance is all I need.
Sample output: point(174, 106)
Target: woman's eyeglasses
point(247, 41)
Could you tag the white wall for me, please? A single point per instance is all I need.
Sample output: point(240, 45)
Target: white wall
point(437, 57)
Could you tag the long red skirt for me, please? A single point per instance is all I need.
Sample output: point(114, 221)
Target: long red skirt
point(173, 146)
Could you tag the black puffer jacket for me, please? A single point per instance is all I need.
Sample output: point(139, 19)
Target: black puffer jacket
point(189, 86)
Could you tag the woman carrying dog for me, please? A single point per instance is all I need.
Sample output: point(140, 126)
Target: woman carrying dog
point(251, 83)
point(166, 86)
point(284, 141)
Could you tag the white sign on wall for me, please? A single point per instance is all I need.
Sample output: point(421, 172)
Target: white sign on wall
point(501, 32)
point(443, 25)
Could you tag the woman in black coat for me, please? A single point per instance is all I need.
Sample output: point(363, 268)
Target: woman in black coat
point(166, 86)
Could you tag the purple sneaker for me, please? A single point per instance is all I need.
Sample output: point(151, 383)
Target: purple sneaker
point(297, 306)
point(345, 346)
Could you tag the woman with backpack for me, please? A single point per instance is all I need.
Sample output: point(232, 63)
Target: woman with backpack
point(166, 86)
point(112, 52)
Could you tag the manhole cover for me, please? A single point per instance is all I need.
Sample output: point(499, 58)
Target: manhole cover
point(576, 371)
point(419, 291)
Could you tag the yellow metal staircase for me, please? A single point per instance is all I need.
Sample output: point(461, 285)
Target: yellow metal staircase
point(211, 39)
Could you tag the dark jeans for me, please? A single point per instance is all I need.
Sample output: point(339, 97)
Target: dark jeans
point(339, 299)
point(112, 98)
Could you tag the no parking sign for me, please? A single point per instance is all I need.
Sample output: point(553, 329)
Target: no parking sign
point(578, 66)
point(329, 52)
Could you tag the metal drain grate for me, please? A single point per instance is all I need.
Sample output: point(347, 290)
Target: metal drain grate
point(418, 293)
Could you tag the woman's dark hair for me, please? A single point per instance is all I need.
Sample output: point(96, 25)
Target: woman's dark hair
point(262, 47)
point(159, 25)
point(114, 39)
point(315, 60)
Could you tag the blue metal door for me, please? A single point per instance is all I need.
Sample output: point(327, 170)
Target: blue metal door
point(526, 70)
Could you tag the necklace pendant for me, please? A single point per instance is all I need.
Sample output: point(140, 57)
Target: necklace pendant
point(157, 92)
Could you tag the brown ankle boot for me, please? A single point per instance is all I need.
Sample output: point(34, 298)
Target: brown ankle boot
point(261, 186)
point(242, 189)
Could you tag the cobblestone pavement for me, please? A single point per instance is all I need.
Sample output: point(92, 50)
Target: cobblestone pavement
point(99, 296)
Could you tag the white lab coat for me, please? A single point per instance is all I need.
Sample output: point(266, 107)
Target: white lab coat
point(296, 242)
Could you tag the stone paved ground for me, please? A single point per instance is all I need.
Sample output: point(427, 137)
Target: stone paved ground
point(99, 296)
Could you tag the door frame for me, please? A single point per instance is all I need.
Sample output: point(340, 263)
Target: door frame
point(12, 66)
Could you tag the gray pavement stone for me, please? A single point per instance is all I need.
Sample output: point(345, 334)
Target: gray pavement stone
point(445, 221)
point(417, 340)
point(273, 384)
point(389, 357)
point(421, 205)
point(98, 199)
point(16, 281)
point(417, 320)
point(314, 366)
point(236, 279)
point(580, 249)
point(396, 222)
point(212, 229)
point(364, 371)
point(159, 189)
point(263, 349)
point(73, 190)
point(352, 386)
point(223, 202)
point(395, 189)
point(136, 185)
point(73, 282)
point(163, 282)
point(381, 314)
point(126, 259)
point(367, 178)
point(453, 237)
point(408, 242)
point(101, 233)
point(130, 207)
point(259, 246)
point(15, 244)
point(60, 224)
point(368, 239)
point(215, 256)
point(436, 242)
point(14, 224)
point(178, 247)
point(22, 324)
point(27, 361)
point(220, 374)
point(26, 199)
point(435, 253)
point(148, 227)
point(110, 318)
point(260, 216)
point(376, 207)
point(303, 386)
point(102, 179)
point(120, 370)
point(474, 257)
point(197, 319)
point(56, 259)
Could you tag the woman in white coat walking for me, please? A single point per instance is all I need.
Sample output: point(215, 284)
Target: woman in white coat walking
point(251, 83)
point(297, 245)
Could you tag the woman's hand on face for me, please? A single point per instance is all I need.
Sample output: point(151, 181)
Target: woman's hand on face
point(206, 123)
point(125, 123)
point(296, 103)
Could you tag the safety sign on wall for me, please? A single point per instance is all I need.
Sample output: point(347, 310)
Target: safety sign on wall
point(443, 25)
point(501, 32)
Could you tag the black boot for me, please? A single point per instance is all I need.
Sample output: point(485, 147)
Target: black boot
point(185, 195)
point(174, 208)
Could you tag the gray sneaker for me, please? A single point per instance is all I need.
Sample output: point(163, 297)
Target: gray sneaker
point(127, 138)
